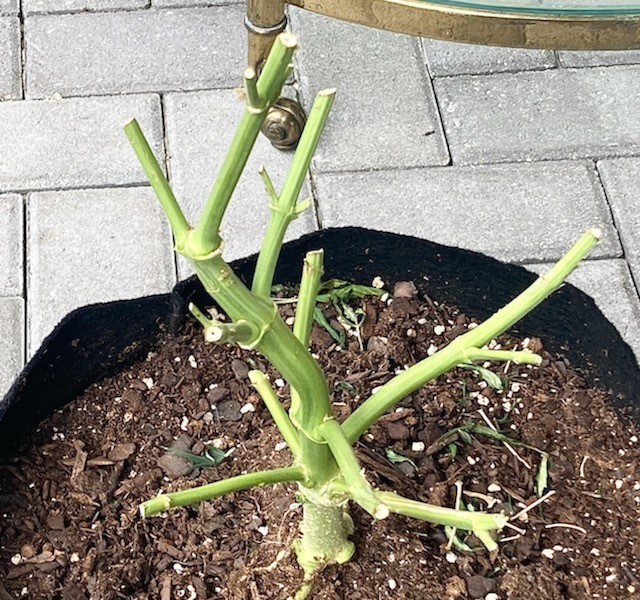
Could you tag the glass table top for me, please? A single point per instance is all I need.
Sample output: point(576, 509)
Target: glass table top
point(600, 8)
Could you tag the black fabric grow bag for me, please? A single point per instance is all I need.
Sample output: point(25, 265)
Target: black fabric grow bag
point(96, 341)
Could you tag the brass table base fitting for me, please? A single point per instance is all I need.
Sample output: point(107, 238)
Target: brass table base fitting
point(284, 124)
point(525, 24)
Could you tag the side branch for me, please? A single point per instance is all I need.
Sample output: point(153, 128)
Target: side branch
point(283, 208)
point(206, 236)
point(312, 272)
point(164, 502)
point(357, 486)
point(158, 182)
point(439, 515)
point(519, 357)
point(284, 424)
point(411, 379)
point(309, 283)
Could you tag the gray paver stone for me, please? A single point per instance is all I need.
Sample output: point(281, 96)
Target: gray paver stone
point(77, 142)
point(610, 285)
point(541, 115)
point(179, 3)
point(450, 58)
point(514, 212)
point(12, 335)
point(621, 178)
point(11, 245)
point(596, 59)
point(10, 74)
point(200, 126)
point(384, 114)
point(61, 6)
point(89, 246)
point(138, 51)
point(8, 7)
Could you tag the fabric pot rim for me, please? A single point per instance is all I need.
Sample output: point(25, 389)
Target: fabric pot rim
point(95, 341)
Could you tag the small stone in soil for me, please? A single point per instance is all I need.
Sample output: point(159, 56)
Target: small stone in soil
point(174, 466)
point(378, 345)
point(121, 451)
point(397, 430)
point(55, 521)
point(216, 394)
point(229, 410)
point(479, 587)
point(240, 369)
point(406, 468)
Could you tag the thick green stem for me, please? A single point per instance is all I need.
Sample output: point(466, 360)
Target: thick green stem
point(284, 210)
point(288, 431)
point(206, 236)
point(443, 360)
point(326, 528)
point(164, 502)
point(158, 181)
point(275, 341)
point(277, 68)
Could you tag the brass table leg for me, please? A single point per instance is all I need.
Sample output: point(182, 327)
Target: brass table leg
point(264, 20)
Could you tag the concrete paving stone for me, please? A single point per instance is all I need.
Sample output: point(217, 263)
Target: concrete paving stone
point(621, 178)
point(87, 246)
point(12, 335)
point(200, 126)
point(10, 73)
point(450, 58)
point(64, 6)
point(189, 3)
point(513, 212)
point(77, 142)
point(8, 7)
point(11, 245)
point(597, 59)
point(385, 113)
point(610, 285)
point(123, 52)
point(541, 115)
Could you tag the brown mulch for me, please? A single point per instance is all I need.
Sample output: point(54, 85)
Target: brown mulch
point(70, 527)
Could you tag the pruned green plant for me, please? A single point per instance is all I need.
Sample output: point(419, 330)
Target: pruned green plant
point(325, 467)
